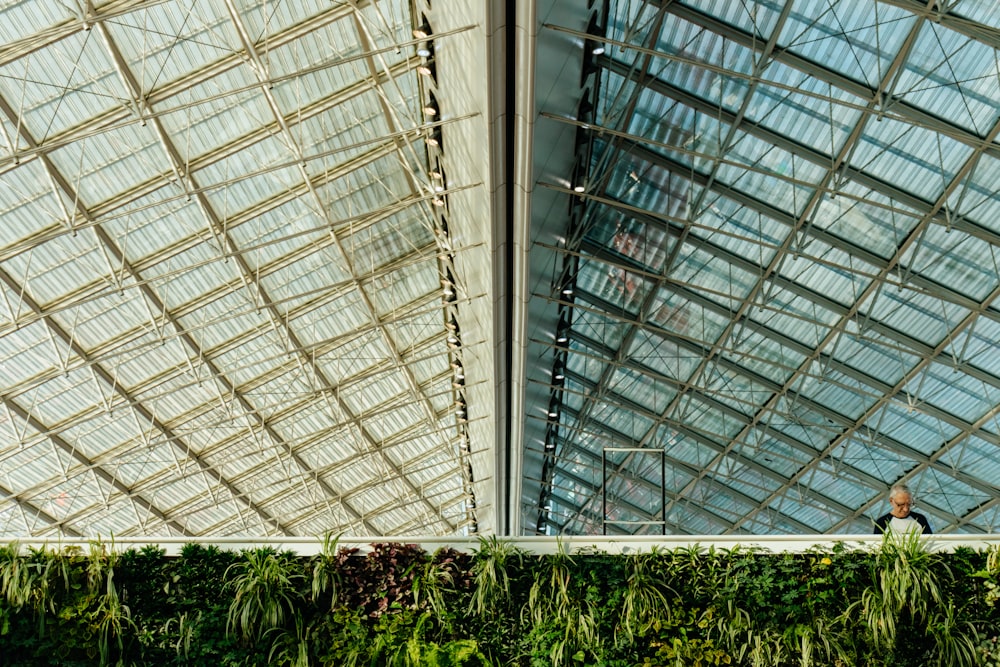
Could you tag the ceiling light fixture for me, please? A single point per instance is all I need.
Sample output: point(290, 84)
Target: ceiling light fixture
point(423, 31)
point(595, 43)
point(427, 69)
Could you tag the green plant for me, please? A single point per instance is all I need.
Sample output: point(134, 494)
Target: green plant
point(421, 652)
point(908, 593)
point(988, 652)
point(266, 593)
point(685, 639)
point(645, 598)
point(900, 606)
point(327, 579)
point(955, 640)
point(430, 584)
point(491, 567)
point(342, 639)
point(291, 649)
point(562, 619)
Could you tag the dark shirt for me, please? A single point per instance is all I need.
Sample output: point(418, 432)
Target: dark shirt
point(882, 523)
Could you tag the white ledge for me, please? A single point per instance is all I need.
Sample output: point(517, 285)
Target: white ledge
point(308, 546)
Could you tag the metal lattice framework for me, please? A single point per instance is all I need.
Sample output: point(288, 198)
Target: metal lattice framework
point(779, 268)
point(222, 260)
point(279, 269)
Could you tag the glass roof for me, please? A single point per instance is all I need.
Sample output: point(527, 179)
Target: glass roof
point(701, 267)
point(224, 255)
point(780, 271)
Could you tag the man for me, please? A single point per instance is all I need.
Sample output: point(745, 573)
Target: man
point(900, 519)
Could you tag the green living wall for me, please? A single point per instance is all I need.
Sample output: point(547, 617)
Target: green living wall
point(400, 605)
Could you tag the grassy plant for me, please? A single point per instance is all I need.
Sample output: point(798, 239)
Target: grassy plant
point(111, 620)
point(266, 593)
point(908, 592)
point(956, 640)
point(14, 576)
point(491, 568)
point(550, 592)
point(290, 649)
point(326, 571)
point(906, 586)
point(430, 584)
point(645, 597)
point(561, 613)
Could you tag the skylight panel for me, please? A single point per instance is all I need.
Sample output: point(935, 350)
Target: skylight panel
point(387, 423)
point(763, 356)
point(746, 233)
point(863, 225)
point(975, 197)
point(215, 117)
point(713, 419)
point(663, 355)
point(804, 109)
point(190, 39)
point(713, 277)
point(855, 38)
point(833, 274)
point(952, 77)
point(968, 398)
point(22, 20)
point(918, 161)
point(68, 82)
point(757, 18)
point(881, 459)
point(962, 263)
point(764, 172)
point(923, 317)
point(977, 345)
point(103, 169)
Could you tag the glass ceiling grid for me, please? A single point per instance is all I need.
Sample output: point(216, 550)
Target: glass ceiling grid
point(905, 303)
point(234, 368)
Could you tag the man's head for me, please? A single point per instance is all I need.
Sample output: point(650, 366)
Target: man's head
point(901, 501)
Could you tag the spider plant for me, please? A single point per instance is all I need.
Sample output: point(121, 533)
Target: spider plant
point(956, 641)
point(266, 593)
point(14, 576)
point(430, 583)
point(491, 567)
point(645, 597)
point(326, 573)
point(291, 649)
point(550, 592)
point(569, 616)
point(109, 617)
point(908, 592)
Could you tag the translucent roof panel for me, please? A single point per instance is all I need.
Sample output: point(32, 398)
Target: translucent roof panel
point(780, 269)
point(222, 260)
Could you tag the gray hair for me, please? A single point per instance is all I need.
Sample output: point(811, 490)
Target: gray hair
point(898, 489)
